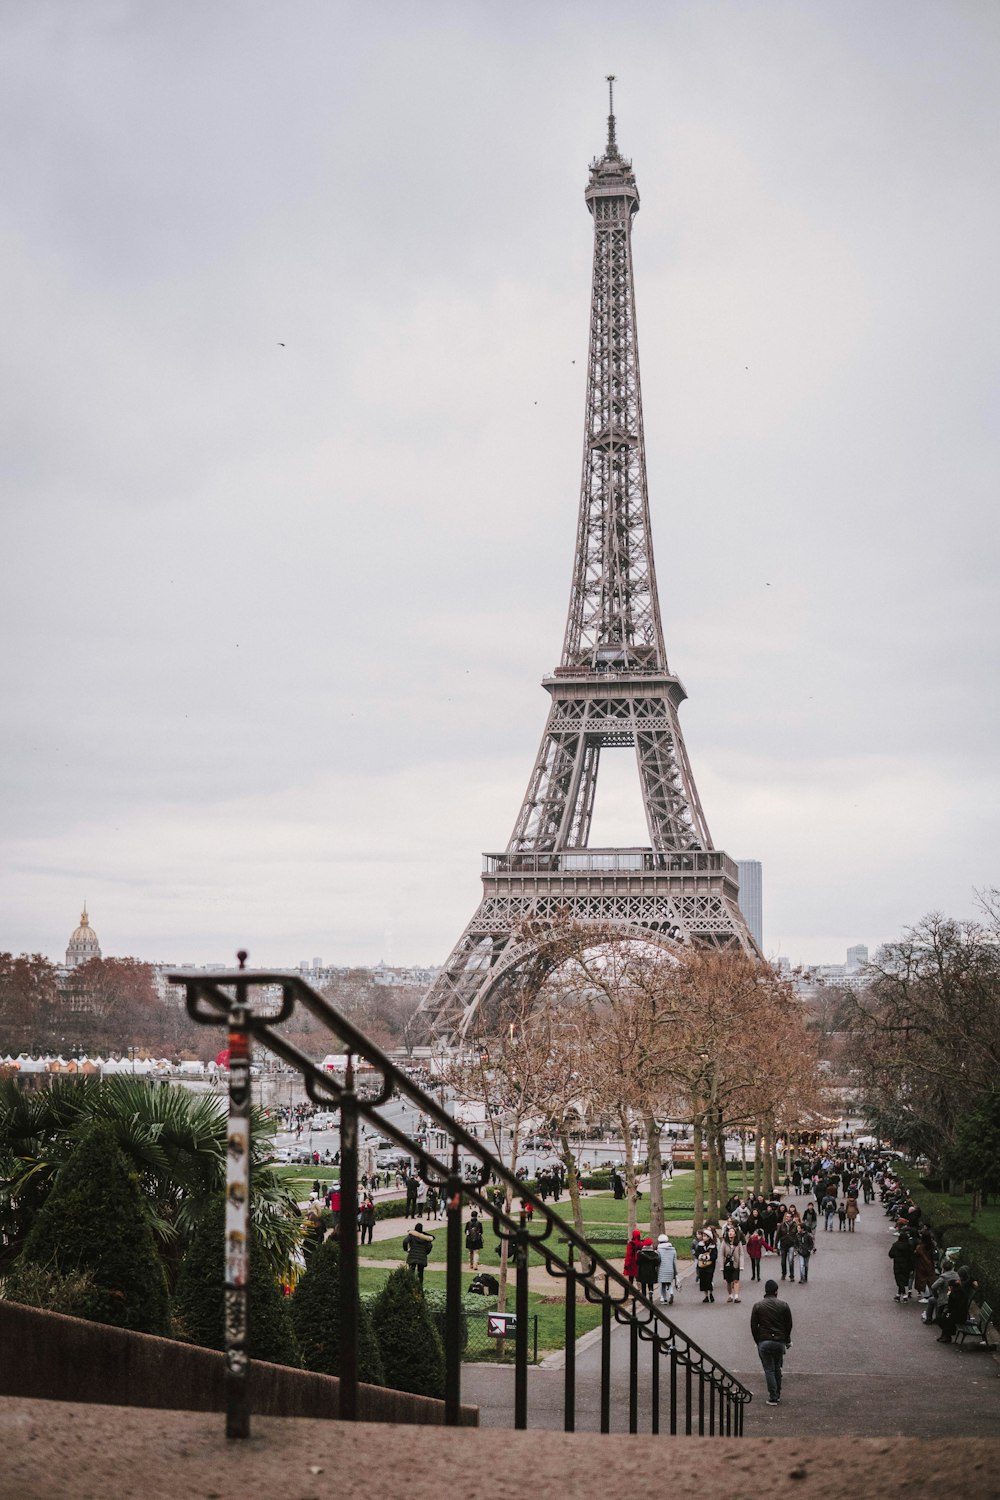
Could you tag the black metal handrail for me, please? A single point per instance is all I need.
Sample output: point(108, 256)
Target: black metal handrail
point(222, 998)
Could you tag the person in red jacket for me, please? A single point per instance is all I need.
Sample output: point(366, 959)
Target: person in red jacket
point(632, 1255)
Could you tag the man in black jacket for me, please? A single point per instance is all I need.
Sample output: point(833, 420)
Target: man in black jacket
point(771, 1327)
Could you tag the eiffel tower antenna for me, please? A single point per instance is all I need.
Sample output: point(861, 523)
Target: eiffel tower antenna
point(612, 688)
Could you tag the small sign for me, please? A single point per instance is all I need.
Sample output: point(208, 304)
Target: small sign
point(501, 1325)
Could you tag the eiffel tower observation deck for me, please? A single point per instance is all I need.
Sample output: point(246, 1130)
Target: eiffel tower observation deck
point(612, 688)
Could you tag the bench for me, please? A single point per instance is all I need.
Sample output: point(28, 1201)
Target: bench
point(977, 1327)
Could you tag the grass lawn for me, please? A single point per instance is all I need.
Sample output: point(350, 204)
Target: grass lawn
point(299, 1180)
point(955, 1207)
point(549, 1310)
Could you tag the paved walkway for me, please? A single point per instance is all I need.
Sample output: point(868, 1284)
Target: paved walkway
point(860, 1364)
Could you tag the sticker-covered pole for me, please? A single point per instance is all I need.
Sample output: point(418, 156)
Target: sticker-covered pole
point(237, 1271)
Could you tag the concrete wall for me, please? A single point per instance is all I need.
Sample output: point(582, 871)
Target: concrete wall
point(51, 1357)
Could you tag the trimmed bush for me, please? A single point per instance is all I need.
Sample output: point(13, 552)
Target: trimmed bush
point(412, 1354)
point(437, 1304)
point(95, 1224)
point(199, 1301)
point(315, 1312)
point(390, 1208)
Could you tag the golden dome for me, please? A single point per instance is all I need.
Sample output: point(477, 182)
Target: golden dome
point(84, 933)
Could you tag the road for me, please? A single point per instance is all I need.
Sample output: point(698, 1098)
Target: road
point(861, 1364)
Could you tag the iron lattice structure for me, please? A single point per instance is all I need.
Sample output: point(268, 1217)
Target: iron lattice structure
point(612, 688)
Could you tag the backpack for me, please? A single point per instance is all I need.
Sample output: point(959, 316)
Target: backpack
point(649, 1260)
point(474, 1235)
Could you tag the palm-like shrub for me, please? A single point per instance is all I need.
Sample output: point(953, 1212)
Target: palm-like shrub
point(412, 1354)
point(174, 1140)
point(95, 1220)
point(199, 1300)
point(316, 1318)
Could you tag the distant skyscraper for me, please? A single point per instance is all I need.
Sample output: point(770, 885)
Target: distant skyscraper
point(752, 897)
point(83, 945)
point(857, 957)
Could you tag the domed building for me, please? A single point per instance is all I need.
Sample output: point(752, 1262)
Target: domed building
point(83, 945)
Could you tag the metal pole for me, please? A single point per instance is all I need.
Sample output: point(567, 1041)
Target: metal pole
point(569, 1373)
point(348, 1237)
point(606, 1361)
point(633, 1372)
point(237, 1264)
point(521, 1331)
point(453, 1297)
point(654, 1425)
point(673, 1391)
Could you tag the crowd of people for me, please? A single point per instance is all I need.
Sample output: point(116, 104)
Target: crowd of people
point(921, 1270)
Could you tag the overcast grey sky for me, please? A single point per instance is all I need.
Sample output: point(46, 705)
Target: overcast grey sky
point(296, 304)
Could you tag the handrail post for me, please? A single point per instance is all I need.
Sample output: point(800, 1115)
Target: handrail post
point(673, 1390)
point(633, 1372)
point(569, 1372)
point(521, 1329)
point(453, 1296)
point(348, 1236)
point(606, 1359)
point(237, 1261)
point(654, 1394)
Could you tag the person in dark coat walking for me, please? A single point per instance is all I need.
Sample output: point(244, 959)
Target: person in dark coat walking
point(771, 1328)
point(901, 1254)
point(417, 1248)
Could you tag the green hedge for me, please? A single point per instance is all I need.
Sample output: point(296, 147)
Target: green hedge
point(315, 1313)
point(412, 1353)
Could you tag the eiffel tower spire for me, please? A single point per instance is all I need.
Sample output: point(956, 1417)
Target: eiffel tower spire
point(612, 688)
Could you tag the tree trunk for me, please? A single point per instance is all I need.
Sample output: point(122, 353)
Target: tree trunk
point(631, 1181)
point(699, 1172)
point(655, 1161)
point(504, 1247)
point(767, 1152)
point(712, 1145)
point(572, 1181)
point(723, 1169)
point(743, 1163)
point(757, 1178)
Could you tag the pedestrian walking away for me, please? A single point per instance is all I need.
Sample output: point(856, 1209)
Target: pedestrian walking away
point(771, 1329)
point(668, 1268)
point(648, 1267)
point(474, 1240)
point(417, 1248)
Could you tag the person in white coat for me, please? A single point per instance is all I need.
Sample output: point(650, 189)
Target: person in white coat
point(668, 1268)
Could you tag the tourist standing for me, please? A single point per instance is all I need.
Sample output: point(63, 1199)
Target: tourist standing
point(707, 1257)
point(732, 1262)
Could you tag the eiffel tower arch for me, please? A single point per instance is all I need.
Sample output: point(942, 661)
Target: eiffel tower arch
point(612, 688)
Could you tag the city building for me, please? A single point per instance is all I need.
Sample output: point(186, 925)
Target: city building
point(751, 897)
point(83, 945)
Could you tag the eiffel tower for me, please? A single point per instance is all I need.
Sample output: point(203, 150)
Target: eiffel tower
point(612, 688)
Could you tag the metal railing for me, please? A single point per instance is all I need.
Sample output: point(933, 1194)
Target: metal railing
point(625, 861)
point(702, 1396)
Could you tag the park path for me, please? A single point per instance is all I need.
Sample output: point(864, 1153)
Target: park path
point(860, 1365)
